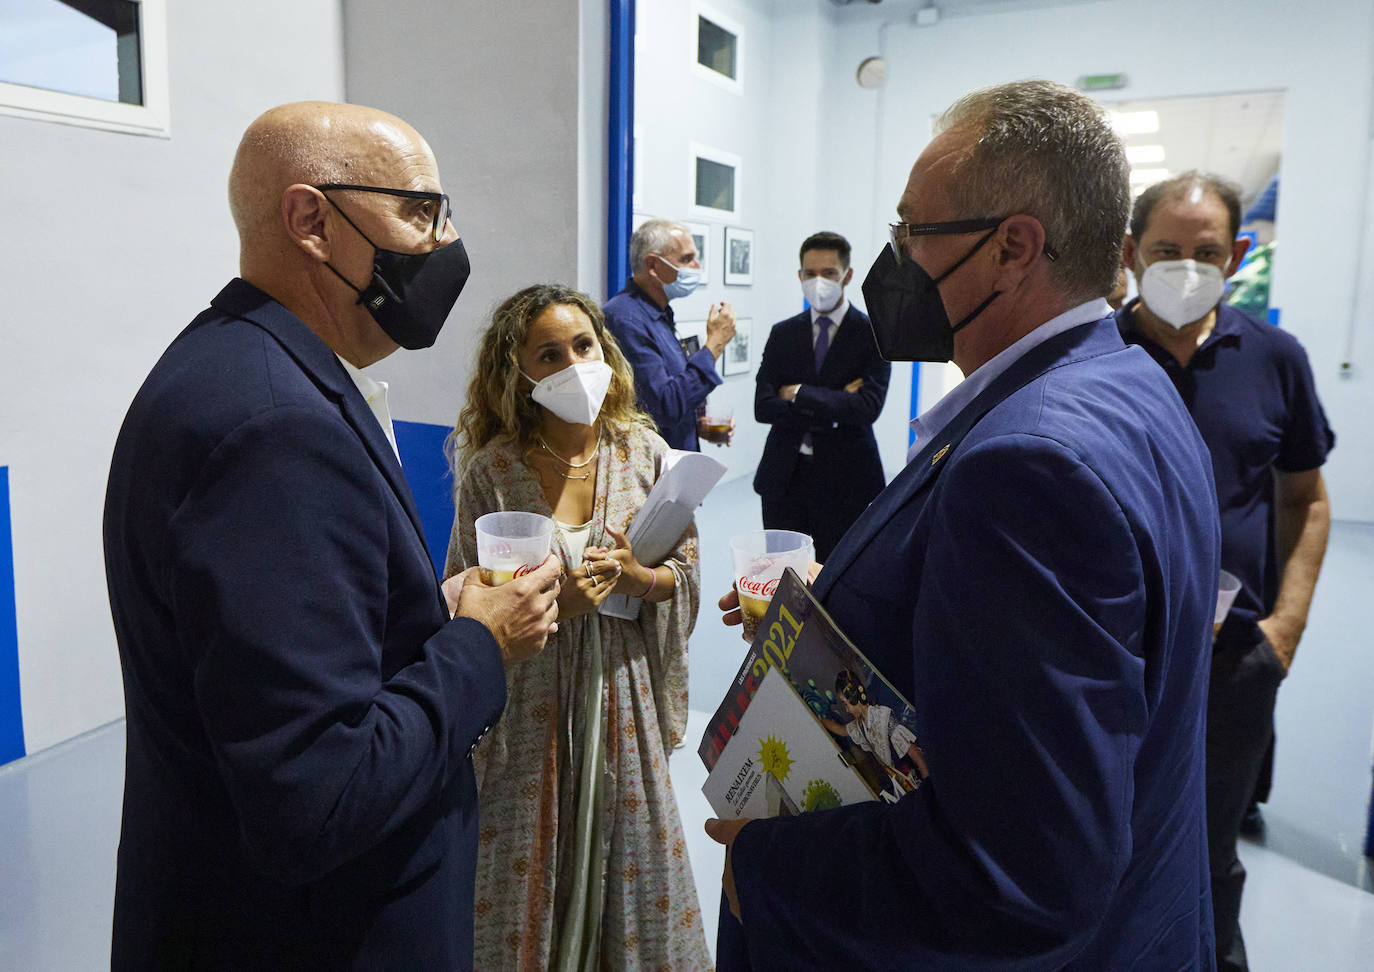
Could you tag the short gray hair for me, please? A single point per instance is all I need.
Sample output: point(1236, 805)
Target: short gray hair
point(1048, 151)
point(654, 236)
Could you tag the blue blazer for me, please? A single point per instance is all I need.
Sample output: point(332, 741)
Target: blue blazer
point(840, 423)
point(298, 792)
point(1040, 583)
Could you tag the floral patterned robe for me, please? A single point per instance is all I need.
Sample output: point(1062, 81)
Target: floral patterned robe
point(580, 869)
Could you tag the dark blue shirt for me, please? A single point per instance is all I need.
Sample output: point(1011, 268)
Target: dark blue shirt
point(669, 384)
point(1250, 390)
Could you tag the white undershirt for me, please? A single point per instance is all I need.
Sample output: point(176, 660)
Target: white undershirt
point(374, 393)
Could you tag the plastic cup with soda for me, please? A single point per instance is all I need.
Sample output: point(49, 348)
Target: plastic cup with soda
point(511, 544)
point(760, 558)
point(717, 419)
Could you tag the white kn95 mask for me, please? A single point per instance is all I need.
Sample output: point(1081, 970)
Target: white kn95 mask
point(1180, 292)
point(574, 394)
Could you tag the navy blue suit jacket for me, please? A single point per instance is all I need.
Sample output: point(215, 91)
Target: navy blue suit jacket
point(298, 792)
point(840, 422)
point(1040, 583)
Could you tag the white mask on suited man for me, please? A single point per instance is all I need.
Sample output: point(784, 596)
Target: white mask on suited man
point(822, 293)
point(1180, 292)
point(574, 394)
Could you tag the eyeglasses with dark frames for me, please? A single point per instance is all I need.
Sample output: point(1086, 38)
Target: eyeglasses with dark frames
point(900, 232)
point(442, 208)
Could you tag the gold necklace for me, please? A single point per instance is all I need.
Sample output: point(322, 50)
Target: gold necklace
point(571, 465)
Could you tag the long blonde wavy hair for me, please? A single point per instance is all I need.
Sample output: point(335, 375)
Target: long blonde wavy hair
point(498, 407)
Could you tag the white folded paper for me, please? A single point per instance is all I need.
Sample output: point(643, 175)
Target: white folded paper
point(682, 484)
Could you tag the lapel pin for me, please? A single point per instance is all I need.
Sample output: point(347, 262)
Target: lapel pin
point(939, 455)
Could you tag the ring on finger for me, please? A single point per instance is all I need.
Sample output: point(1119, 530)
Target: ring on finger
point(588, 567)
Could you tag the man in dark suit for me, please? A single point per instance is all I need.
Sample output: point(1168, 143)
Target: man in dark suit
point(821, 386)
point(301, 709)
point(1039, 580)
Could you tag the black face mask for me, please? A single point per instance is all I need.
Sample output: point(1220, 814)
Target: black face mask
point(410, 294)
point(904, 307)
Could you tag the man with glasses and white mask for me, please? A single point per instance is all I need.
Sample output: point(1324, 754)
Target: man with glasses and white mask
point(672, 384)
point(303, 697)
point(1250, 389)
point(820, 386)
point(1039, 581)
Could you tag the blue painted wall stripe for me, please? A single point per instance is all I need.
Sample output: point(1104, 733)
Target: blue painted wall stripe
point(422, 457)
point(620, 161)
point(11, 714)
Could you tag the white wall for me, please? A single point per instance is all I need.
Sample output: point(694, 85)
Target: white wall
point(1322, 55)
point(111, 244)
point(495, 89)
point(789, 164)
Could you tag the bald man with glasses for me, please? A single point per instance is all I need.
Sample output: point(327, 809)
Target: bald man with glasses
point(303, 697)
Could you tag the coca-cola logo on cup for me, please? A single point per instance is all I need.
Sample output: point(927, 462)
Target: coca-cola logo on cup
point(757, 588)
point(526, 569)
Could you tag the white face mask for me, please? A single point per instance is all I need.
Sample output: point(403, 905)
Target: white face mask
point(1180, 292)
point(574, 394)
point(822, 293)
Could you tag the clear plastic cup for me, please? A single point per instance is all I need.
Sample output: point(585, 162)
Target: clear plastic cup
point(1228, 586)
point(760, 557)
point(718, 419)
point(511, 544)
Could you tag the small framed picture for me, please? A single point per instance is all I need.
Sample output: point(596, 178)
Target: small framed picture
point(701, 238)
point(738, 356)
point(739, 257)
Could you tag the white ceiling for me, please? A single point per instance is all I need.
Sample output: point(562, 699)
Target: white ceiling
point(1238, 136)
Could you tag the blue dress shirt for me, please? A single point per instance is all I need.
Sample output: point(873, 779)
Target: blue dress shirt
point(670, 385)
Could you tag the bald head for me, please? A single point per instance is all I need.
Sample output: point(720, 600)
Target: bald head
point(314, 252)
point(313, 143)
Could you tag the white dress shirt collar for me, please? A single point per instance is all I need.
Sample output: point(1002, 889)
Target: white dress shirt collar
point(928, 425)
point(835, 315)
point(374, 393)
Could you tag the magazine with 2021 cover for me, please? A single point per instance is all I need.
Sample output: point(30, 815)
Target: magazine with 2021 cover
point(808, 722)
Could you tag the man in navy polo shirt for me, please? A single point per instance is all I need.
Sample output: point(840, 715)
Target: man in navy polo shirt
point(1250, 389)
point(671, 383)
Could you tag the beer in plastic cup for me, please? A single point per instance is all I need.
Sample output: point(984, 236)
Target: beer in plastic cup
point(511, 544)
point(760, 558)
point(718, 418)
point(1228, 586)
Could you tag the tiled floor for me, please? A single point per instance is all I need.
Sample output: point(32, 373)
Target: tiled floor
point(1304, 908)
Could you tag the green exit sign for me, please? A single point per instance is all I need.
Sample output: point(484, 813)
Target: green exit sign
point(1101, 82)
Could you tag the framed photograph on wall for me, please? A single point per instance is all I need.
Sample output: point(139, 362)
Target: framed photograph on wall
point(738, 356)
point(739, 257)
point(701, 237)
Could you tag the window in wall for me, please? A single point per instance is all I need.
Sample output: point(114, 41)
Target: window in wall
point(95, 63)
point(715, 185)
point(719, 48)
point(715, 182)
point(716, 48)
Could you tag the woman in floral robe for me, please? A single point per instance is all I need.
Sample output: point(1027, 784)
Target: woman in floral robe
point(582, 863)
